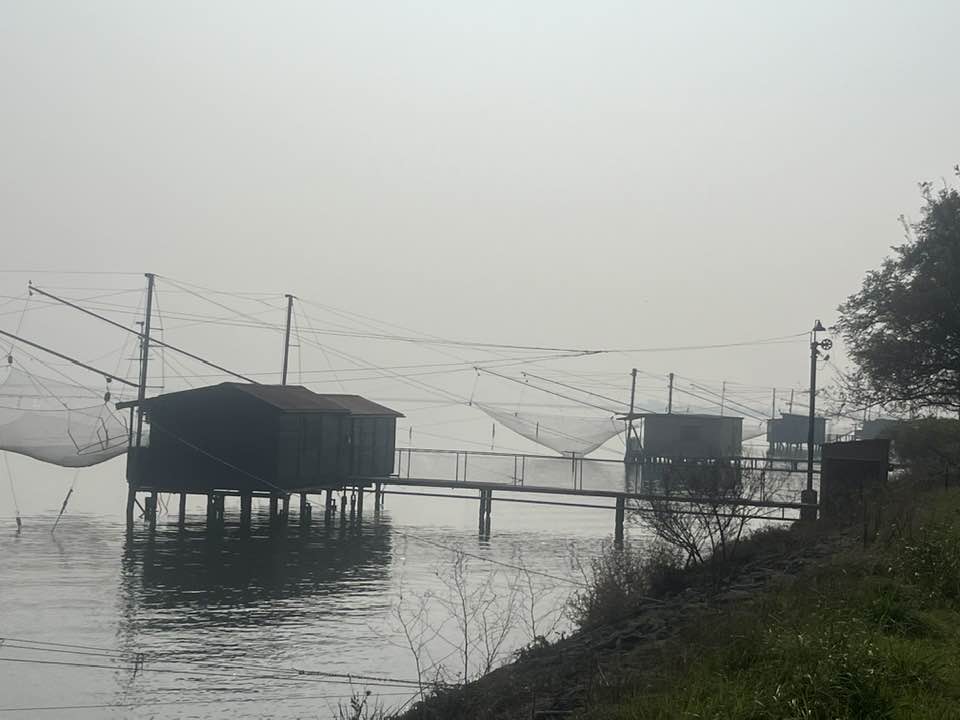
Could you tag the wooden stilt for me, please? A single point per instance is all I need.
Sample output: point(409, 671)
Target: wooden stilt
point(618, 526)
point(152, 510)
point(486, 519)
point(182, 511)
point(131, 502)
point(359, 502)
point(273, 510)
point(483, 511)
point(246, 511)
point(285, 513)
point(330, 506)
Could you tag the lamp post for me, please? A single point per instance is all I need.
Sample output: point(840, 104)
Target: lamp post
point(809, 496)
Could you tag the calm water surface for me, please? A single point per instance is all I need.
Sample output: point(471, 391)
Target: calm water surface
point(233, 626)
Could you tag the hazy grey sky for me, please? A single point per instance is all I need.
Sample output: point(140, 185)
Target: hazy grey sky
point(586, 174)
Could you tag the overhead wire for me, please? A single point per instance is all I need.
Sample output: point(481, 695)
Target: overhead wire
point(144, 657)
point(301, 676)
point(207, 701)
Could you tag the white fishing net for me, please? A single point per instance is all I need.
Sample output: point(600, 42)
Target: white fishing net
point(565, 434)
point(58, 422)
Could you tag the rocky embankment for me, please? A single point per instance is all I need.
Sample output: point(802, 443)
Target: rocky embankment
point(555, 680)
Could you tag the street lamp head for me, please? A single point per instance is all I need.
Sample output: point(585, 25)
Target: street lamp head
point(818, 327)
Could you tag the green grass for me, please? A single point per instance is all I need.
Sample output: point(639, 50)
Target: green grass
point(875, 634)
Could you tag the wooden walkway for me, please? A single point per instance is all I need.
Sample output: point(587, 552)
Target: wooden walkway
point(623, 500)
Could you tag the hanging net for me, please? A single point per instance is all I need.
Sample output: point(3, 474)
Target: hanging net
point(57, 422)
point(565, 434)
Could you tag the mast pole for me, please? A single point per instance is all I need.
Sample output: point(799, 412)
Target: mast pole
point(670, 397)
point(811, 425)
point(633, 394)
point(286, 340)
point(133, 459)
point(144, 356)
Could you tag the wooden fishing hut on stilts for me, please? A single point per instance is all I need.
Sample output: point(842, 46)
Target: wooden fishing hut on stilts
point(250, 440)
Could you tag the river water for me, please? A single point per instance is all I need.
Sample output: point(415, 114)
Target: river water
point(182, 623)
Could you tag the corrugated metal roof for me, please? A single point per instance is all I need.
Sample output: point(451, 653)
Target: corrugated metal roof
point(286, 398)
point(290, 398)
point(357, 405)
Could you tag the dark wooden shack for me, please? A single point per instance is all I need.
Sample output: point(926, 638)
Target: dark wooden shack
point(691, 436)
point(275, 439)
point(853, 478)
point(791, 431)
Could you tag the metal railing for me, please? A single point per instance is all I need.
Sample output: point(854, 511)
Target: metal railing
point(578, 473)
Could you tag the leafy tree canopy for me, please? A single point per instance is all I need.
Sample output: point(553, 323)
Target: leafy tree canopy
point(903, 327)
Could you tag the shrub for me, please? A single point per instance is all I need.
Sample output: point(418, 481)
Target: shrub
point(932, 561)
point(622, 580)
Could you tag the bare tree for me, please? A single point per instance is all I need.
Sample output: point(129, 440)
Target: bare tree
point(707, 508)
point(475, 618)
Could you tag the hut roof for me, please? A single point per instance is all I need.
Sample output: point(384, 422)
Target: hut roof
point(358, 405)
point(290, 398)
point(285, 398)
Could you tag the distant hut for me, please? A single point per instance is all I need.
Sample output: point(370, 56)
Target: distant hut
point(268, 439)
point(878, 428)
point(790, 432)
point(676, 436)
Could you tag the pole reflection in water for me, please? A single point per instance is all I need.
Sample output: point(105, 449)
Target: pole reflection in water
point(241, 613)
point(221, 622)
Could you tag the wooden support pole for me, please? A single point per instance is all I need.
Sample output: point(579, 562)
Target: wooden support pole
point(483, 511)
point(131, 502)
point(304, 509)
point(486, 522)
point(152, 510)
point(486, 502)
point(360, 502)
point(273, 509)
point(330, 505)
point(215, 505)
point(182, 510)
point(343, 504)
point(246, 511)
point(618, 527)
point(285, 513)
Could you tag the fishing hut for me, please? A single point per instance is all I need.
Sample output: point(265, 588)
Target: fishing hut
point(790, 433)
point(669, 436)
point(258, 440)
point(670, 448)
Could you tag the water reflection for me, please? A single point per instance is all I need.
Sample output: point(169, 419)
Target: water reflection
point(230, 579)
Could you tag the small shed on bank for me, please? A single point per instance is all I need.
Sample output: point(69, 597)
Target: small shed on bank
point(261, 438)
point(853, 478)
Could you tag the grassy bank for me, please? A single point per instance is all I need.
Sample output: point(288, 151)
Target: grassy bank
point(872, 633)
